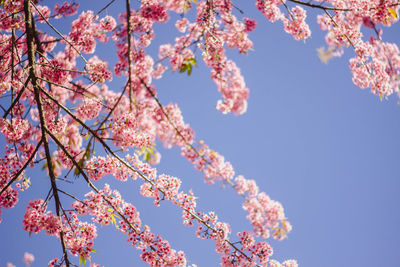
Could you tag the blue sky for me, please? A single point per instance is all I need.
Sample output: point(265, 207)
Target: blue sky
point(327, 150)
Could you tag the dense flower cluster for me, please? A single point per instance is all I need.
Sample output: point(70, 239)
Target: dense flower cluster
point(66, 9)
point(107, 207)
point(265, 215)
point(297, 25)
point(59, 109)
point(165, 187)
point(375, 65)
point(10, 165)
point(37, 219)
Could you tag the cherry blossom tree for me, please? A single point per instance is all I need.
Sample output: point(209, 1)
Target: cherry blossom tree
point(60, 114)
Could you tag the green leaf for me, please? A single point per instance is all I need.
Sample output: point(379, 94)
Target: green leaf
point(82, 260)
point(393, 13)
point(80, 164)
point(193, 61)
point(93, 250)
point(189, 69)
point(147, 156)
point(88, 151)
point(113, 219)
point(187, 65)
point(183, 68)
point(73, 142)
point(87, 154)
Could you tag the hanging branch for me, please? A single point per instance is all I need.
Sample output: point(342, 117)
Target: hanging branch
point(107, 148)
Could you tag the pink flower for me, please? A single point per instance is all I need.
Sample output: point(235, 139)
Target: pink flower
point(98, 70)
point(53, 263)
point(28, 258)
point(90, 109)
point(154, 11)
point(297, 25)
point(251, 24)
point(66, 9)
point(182, 24)
point(108, 23)
point(45, 11)
point(4, 87)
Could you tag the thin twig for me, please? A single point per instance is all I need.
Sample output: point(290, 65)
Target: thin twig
point(104, 8)
point(23, 167)
point(61, 35)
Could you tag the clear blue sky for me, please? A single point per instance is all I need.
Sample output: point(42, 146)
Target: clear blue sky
point(328, 151)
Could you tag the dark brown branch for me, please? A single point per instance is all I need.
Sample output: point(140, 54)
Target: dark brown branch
point(318, 6)
point(10, 15)
point(325, 8)
point(29, 25)
point(128, 21)
point(12, 59)
point(71, 196)
point(105, 7)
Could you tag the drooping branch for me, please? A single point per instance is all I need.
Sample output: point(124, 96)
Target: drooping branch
point(123, 162)
point(91, 185)
point(352, 45)
point(194, 149)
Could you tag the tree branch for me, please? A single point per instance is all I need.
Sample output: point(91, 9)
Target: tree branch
point(107, 148)
point(29, 22)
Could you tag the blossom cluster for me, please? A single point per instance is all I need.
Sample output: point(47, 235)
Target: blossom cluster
point(61, 110)
point(375, 64)
point(10, 165)
point(265, 215)
point(294, 23)
point(107, 207)
point(165, 187)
